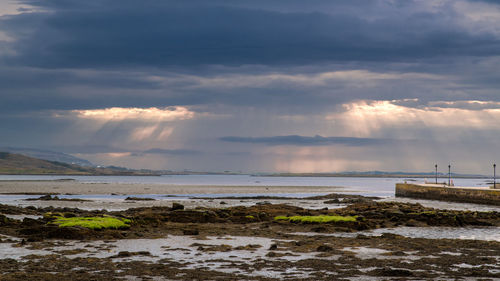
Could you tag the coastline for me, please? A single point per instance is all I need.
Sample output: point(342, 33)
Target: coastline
point(386, 241)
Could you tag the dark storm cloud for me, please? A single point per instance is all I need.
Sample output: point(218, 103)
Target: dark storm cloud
point(308, 141)
point(31, 78)
point(28, 88)
point(97, 54)
point(176, 33)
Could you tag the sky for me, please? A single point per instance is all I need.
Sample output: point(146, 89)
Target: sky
point(255, 86)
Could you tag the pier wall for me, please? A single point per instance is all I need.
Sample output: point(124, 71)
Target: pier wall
point(455, 194)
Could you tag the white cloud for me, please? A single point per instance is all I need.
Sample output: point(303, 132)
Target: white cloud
point(366, 118)
point(472, 104)
point(478, 16)
point(12, 7)
point(134, 113)
point(355, 78)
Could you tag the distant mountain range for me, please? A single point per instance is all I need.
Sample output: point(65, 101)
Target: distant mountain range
point(48, 155)
point(18, 164)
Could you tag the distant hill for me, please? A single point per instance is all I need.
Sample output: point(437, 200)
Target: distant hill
point(48, 155)
point(17, 164)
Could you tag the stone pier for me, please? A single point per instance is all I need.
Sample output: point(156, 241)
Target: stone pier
point(479, 195)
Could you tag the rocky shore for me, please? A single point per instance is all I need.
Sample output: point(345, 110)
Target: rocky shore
point(246, 243)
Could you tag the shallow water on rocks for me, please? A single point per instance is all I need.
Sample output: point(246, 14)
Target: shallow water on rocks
point(118, 202)
point(21, 217)
point(228, 254)
point(215, 253)
point(483, 233)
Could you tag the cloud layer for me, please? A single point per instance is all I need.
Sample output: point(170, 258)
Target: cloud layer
point(254, 85)
point(307, 141)
point(170, 33)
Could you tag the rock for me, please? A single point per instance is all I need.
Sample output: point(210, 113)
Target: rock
point(27, 222)
point(33, 239)
point(68, 233)
point(263, 203)
point(355, 200)
point(300, 243)
point(139, 199)
point(177, 206)
point(392, 272)
point(193, 216)
point(78, 233)
point(271, 254)
point(249, 247)
point(4, 220)
point(263, 216)
point(126, 254)
point(324, 248)
point(273, 247)
point(319, 229)
point(69, 215)
point(411, 222)
point(391, 236)
point(191, 232)
point(214, 248)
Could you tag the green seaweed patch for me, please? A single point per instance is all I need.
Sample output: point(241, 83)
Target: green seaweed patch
point(93, 222)
point(50, 215)
point(250, 217)
point(317, 219)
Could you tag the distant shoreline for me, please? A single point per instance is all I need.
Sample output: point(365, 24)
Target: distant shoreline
point(377, 176)
point(420, 176)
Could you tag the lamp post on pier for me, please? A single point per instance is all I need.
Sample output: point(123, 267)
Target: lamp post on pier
point(436, 166)
point(494, 176)
point(449, 175)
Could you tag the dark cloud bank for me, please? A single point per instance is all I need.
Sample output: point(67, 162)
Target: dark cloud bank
point(79, 54)
point(188, 33)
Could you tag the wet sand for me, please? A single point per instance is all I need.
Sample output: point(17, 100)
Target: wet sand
point(75, 187)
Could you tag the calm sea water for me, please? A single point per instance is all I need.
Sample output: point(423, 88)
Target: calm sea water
point(357, 185)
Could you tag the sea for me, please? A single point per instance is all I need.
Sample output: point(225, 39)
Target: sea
point(366, 186)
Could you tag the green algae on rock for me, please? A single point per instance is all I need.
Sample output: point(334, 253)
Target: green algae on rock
point(317, 219)
point(92, 222)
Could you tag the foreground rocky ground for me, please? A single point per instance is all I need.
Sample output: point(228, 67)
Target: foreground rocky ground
point(247, 243)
